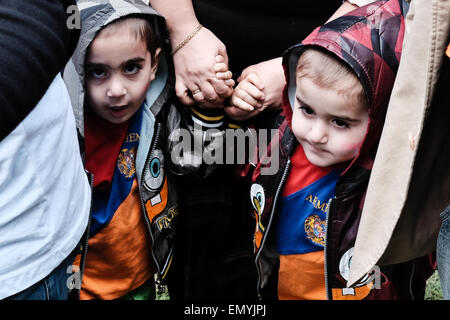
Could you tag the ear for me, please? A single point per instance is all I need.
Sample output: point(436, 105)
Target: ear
point(155, 63)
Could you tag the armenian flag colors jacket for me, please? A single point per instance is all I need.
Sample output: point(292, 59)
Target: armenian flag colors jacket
point(156, 191)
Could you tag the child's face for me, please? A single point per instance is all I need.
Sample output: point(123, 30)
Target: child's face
point(118, 72)
point(330, 127)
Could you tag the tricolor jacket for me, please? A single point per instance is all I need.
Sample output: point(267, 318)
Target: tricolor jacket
point(164, 120)
point(368, 39)
point(157, 192)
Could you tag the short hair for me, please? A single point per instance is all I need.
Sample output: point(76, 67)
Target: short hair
point(140, 28)
point(328, 71)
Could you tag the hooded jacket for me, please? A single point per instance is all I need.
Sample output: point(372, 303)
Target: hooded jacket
point(369, 40)
point(156, 190)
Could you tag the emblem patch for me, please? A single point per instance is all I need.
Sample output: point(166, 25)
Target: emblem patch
point(258, 200)
point(363, 287)
point(125, 162)
point(154, 173)
point(315, 229)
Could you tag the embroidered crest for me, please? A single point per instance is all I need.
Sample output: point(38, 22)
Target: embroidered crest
point(315, 229)
point(125, 162)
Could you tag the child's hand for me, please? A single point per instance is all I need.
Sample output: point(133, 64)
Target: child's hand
point(222, 72)
point(260, 87)
point(247, 99)
point(248, 95)
point(237, 114)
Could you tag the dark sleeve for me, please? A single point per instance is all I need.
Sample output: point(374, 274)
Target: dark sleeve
point(35, 44)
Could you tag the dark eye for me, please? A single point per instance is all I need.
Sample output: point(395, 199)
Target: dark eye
point(340, 123)
point(96, 73)
point(132, 68)
point(307, 110)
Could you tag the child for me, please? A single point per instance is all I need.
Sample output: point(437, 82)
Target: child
point(338, 84)
point(121, 85)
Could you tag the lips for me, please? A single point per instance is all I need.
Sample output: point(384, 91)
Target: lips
point(117, 111)
point(117, 108)
point(315, 149)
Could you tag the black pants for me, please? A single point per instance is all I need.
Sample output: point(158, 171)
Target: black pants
point(213, 256)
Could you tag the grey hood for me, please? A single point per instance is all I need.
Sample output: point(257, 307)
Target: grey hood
point(96, 14)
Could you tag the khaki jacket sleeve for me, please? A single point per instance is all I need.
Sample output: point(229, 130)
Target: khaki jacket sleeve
point(410, 181)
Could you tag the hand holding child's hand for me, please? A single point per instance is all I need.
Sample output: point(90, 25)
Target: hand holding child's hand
point(195, 79)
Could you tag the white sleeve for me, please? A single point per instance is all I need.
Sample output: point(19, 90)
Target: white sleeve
point(360, 3)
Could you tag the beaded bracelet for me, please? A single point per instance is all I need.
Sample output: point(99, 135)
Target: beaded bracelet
point(187, 39)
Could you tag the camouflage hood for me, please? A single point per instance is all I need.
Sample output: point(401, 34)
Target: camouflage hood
point(369, 40)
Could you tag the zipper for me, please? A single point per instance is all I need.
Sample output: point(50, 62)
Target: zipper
point(283, 178)
point(155, 142)
point(329, 295)
point(84, 246)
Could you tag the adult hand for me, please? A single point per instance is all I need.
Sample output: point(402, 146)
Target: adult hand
point(194, 62)
point(268, 77)
point(196, 80)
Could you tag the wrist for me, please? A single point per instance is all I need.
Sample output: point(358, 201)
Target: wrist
point(180, 29)
point(188, 38)
point(179, 15)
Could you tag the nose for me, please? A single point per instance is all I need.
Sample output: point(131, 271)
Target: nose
point(318, 133)
point(116, 89)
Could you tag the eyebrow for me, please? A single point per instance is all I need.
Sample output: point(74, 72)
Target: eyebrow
point(132, 60)
point(302, 104)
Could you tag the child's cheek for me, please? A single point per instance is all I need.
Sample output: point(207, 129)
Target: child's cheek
point(145, 88)
point(351, 147)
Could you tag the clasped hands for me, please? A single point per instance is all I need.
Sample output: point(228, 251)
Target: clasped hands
point(203, 78)
point(259, 87)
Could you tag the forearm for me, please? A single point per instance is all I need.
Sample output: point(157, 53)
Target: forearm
point(180, 17)
point(196, 50)
point(347, 6)
point(343, 9)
